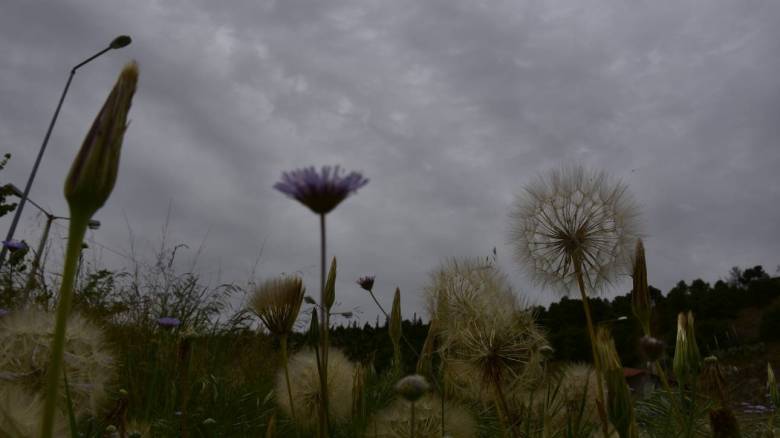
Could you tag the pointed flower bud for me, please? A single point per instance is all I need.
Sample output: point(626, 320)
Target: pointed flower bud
point(412, 387)
point(640, 296)
point(687, 359)
point(620, 407)
point(330, 286)
point(93, 173)
point(771, 383)
point(394, 328)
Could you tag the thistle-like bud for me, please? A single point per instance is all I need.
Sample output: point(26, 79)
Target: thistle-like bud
point(425, 363)
point(93, 173)
point(640, 296)
point(620, 407)
point(366, 283)
point(771, 383)
point(687, 359)
point(330, 286)
point(394, 326)
point(411, 388)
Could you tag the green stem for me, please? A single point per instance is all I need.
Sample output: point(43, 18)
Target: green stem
point(596, 362)
point(412, 428)
point(387, 316)
point(503, 407)
point(78, 227)
point(283, 342)
point(325, 320)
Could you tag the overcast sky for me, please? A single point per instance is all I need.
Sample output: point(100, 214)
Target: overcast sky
point(449, 107)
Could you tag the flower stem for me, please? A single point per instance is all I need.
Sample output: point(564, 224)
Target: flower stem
point(325, 320)
point(387, 316)
point(503, 408)
point(412, 428)
point(283, 342)
point(596, 361)
point(78, 227)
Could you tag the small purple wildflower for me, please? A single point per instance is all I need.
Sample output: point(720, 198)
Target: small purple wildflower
point(366, 282)
point(321, 192)
point(15, 245)
point(168, 322)
point(3, 312)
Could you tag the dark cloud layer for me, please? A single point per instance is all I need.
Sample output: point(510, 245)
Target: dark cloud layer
point(449, 107)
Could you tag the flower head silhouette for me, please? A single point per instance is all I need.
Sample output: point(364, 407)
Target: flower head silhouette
point(321, 192)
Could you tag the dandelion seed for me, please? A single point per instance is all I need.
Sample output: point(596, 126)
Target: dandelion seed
point(277, 303)
point(412, 387)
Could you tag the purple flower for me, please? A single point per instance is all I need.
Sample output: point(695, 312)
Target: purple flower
point(15, 245)
point(3, 312)
point(366, 282)
point(168, 322)
point(321, 192)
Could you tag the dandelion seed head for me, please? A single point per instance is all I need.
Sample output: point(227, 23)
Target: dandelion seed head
point(25, 338)
point(395, 420)
point(21, 411)
point(412, 387)
point(320, 191)
point(574, 216)
point(305, 386)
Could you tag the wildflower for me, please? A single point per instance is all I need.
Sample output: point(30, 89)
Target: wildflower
point(574, 220)
point(4, 312)
point(306, 388)
point(168, 322)
point(24, 357)
point(277, 303)
point(321, 192)
point(366, 282)
point(394, 421)
point(575, 227)
point(93, 173)
point(412, 387)
point(15, 245)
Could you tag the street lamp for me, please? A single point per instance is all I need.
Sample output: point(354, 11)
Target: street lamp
point(92, 224)
point(117, 43)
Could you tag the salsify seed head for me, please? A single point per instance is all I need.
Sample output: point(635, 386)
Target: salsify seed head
point(574, 217)
point(277, 303)
point(320, 191)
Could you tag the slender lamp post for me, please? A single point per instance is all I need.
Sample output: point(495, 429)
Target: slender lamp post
point(93, 225)
point(117, 43)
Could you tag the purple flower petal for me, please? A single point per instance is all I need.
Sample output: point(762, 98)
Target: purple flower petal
point(14, 245)
point(321, 192)
point(168, 322)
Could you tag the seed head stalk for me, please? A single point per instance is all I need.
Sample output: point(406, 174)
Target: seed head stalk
point(592, 334)
point(76, 231)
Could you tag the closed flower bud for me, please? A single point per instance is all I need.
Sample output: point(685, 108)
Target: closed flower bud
point(330, 286)
point(411, 388)
point(640, 296)
point(93, 173)
point(394, 327)
point(771, 383)
point(687, 359)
